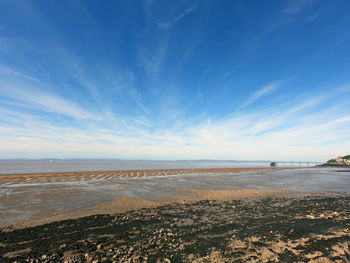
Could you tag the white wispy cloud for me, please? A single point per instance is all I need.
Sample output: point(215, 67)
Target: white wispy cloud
point(177, 18)
point(295, 132)
point(343, 88)
point(22, 89)
point(34, 99)
point(288, 14)
point(291, 130)
point(4, 69)
point(267, 89)
point(19, 90)
point(152, 57)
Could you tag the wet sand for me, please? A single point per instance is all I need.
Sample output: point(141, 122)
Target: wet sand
point(124, 204)
point(97, 175)
point(37, 197)
point(31, 199)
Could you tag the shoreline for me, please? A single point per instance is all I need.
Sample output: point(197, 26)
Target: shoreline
point(186, 196)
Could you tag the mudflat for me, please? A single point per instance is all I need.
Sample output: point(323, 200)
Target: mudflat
point(55, 196)
point(76, 176)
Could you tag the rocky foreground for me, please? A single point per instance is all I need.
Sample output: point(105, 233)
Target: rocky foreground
point(311, 229)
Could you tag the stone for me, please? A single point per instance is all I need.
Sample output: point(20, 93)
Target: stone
point(267, 255)
point(63, 246)
point(321, 260)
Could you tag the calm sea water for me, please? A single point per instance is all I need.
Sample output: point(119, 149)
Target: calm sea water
point(18, 167)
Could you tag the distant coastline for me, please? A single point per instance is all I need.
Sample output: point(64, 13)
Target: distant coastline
point(340, 161)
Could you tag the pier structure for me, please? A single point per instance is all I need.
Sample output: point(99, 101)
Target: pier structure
point(303, 164)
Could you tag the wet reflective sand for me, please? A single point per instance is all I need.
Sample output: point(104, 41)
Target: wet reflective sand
point(31, 197)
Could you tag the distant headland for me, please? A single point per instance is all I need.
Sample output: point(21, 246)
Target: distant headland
point(339, 161)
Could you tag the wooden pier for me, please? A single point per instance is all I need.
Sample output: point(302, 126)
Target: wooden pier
point(304, 164)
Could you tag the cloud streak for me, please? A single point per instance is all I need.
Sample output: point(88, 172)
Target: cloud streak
point(260, 93)
point(168, 24)
point(289, 130)
point(291, 133)
point(42, 101)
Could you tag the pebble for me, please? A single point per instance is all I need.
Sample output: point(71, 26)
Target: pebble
point(136, 259)
point(335, 214)
point(63, 246)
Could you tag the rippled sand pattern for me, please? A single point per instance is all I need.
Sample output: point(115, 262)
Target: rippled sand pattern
point(107, 175)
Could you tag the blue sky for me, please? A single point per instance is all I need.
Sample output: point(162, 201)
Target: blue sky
point(246, 80)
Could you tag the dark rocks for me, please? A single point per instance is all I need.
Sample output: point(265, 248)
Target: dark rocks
point(267, 229)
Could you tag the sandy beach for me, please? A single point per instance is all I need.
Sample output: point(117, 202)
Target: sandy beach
point(266, 228)
point(231, 215)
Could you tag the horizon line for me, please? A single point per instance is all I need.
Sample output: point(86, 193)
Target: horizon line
point(151, 160)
